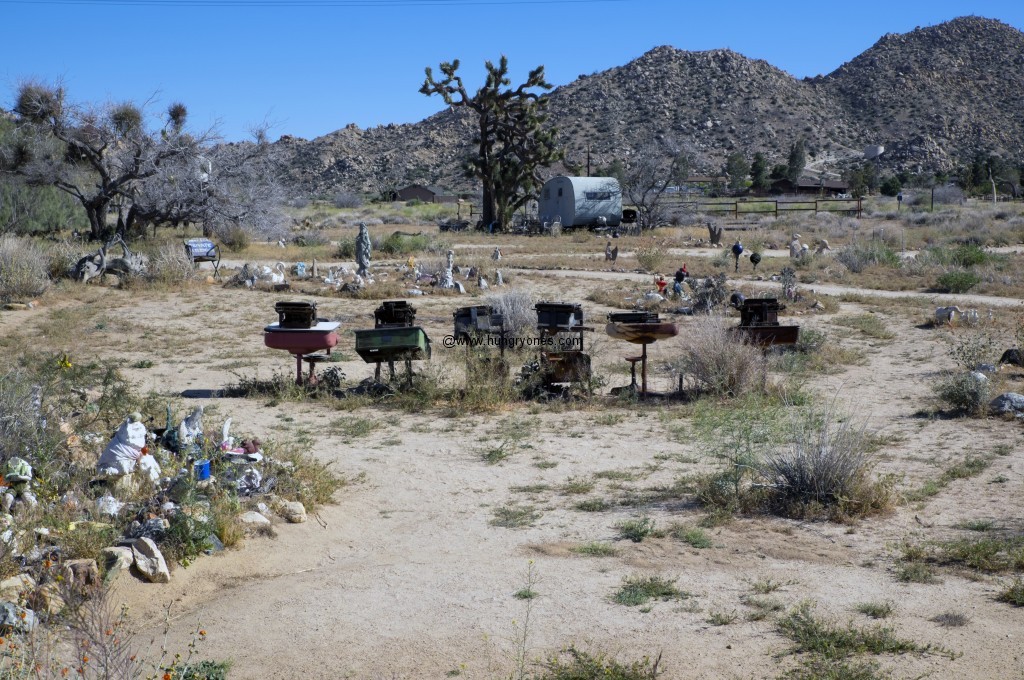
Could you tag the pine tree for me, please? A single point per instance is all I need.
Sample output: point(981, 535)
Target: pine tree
point(797, 162)
point(759, 173)
point(737, 168)
point(512, 142)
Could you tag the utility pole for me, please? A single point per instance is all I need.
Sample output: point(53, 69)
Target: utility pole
point(588, 160)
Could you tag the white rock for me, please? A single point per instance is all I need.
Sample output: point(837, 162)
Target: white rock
point(150, 561)
point(293, 511)
point(117, 558)
point(254, 519)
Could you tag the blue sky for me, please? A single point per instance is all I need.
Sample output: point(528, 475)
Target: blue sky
point(312, 66)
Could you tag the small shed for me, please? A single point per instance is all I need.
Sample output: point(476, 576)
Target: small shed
point(581, 201)
point(419, 192)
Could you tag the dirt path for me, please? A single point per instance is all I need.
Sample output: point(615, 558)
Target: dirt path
point(407, 576)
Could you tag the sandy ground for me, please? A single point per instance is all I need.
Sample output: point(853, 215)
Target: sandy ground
point(405, 577)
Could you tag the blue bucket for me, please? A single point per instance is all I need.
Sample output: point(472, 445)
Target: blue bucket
point(202, 468)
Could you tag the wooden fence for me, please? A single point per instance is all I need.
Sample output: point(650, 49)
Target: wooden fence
point(851, 206)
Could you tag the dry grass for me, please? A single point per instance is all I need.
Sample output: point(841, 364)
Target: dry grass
point(713, 361)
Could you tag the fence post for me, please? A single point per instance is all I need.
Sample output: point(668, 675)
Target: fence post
point(736, 210)
point(860, 208)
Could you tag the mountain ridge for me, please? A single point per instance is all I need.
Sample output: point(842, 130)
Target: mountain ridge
point(933, 96)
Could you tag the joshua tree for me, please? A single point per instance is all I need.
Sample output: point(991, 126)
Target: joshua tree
point(511, 139)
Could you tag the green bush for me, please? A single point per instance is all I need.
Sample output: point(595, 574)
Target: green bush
point(403, 244)
point(969, 255)
point(963, 393)
point(346, 249)
point(890, 186)
point(957, 281)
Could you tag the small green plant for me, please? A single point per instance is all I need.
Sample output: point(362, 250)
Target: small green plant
point(576, 485)
point(761, 607)
point(640, 590)
point(819, 636)
point(592, 505)
point(525, 594)
point(495, 454)
point(1014, 593)
point(720, 618)
point(694, 536)
point(767, 586)
point(595, 549)
point(636, 530)
point(876, 610)
point(515, 516)
point(574, 664)
point(353, 427)
point(916, 572)
point(977, 525)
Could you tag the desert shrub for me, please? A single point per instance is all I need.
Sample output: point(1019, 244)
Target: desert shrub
point(62, 257)
point(957, 281)
point(859, 256)
point(831, 640)
point(187, 537)
point(716, 362)
point(234, 238)
point(303, 478)
point(307, 239)
point(396, 219)
point(963, 392)
point(346, 249)
point(516, 306)
point(347, 199)
point(969, 255)
point(1014, 593)
point(403, 244)
point(636, 530)
point(825, 470)
point(171, 264)
point(970, 349)
point(23, 269)
point(650, 254)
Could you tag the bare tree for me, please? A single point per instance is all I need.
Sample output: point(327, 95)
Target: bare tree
point(648, 174)
point(108, 159)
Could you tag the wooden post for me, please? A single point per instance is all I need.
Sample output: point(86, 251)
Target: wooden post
point(776, 202)
point(643, 371)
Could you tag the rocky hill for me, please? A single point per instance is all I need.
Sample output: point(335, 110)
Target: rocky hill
point(933, 97)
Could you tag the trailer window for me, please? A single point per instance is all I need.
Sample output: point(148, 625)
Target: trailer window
point(599, 195)
point(559, 192)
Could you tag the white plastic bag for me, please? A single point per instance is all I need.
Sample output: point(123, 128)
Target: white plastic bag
point(124, 450)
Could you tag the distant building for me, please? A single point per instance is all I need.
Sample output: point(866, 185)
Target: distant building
point(418, 192)
point(811, 185)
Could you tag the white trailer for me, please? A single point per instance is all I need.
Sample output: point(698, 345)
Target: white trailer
point(581, 202)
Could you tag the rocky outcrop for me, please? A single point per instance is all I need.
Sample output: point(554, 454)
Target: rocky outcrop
point(933, 97)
